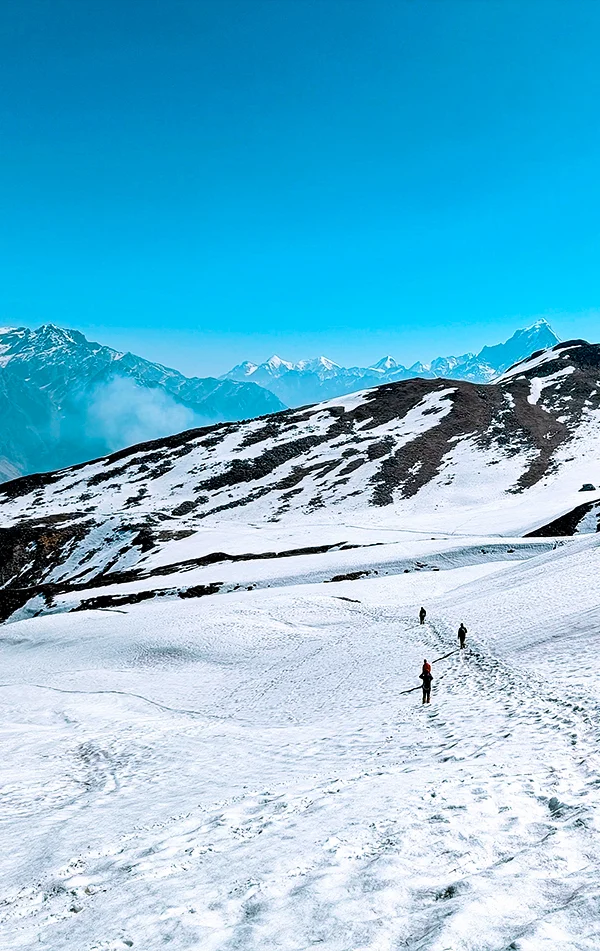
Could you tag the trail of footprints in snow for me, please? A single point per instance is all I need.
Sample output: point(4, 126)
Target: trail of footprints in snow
point(188, 838)
point(526, 704)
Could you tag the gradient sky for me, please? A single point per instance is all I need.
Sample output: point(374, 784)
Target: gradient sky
point(203, 182)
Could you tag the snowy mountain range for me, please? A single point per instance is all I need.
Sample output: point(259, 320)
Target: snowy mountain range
point(64, 399)
point(309, 381)
point(213, 727)
point(424, 455)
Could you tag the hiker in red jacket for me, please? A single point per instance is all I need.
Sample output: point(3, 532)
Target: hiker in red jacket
point(426, 676)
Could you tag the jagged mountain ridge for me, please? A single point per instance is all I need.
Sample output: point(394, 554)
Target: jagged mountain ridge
point(310, 381)
point(426, 456)
point(96, 399)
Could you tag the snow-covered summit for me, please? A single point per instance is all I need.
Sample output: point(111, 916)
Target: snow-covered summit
point(386, 363)
point(276, 364)
point(319, 363)
point(308, 381)
point(550, 356)
point(245, 369)
point(97, 399)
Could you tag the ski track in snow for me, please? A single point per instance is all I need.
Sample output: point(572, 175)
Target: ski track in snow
point(245, 772)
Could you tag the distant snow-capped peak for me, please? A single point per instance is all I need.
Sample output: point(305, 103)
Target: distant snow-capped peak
point(386, 363)
point(308, 381)
point(319, 365)
point(276, 363)
point(74, 399)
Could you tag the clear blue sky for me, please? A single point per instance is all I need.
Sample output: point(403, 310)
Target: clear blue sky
point(202, 182)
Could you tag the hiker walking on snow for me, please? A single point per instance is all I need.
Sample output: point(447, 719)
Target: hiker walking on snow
point(422, 615)
point(462, 635)
point(426, 676)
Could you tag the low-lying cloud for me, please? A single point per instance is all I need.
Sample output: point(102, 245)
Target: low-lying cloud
point(122, 413)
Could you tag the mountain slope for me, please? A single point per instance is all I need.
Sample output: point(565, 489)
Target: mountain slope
point(539, 336)
point(103, 400)
point(425, 456)
point(28, 426)
point(257, 771)
point(312, 380)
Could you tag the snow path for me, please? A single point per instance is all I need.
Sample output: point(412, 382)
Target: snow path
point(247, 775)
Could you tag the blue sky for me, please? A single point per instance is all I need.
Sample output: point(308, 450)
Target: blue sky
point(203, 182)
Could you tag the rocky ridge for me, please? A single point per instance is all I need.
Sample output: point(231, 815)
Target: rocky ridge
point(433, 456)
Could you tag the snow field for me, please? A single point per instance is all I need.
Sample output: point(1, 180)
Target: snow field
point(244, 772)
point(377, 558)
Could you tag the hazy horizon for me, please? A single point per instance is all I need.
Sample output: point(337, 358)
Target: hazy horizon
point(224, 361)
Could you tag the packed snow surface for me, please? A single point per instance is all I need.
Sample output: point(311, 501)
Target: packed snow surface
point(248, 772)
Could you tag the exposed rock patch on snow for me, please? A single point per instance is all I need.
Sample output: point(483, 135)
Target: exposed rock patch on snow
point(419, 455)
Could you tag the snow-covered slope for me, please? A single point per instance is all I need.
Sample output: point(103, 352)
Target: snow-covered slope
point(312, 380)
point(426, 456)
point(100, 400)
point(256, 771)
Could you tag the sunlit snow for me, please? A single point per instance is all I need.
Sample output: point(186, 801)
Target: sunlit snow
point(250, 772)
